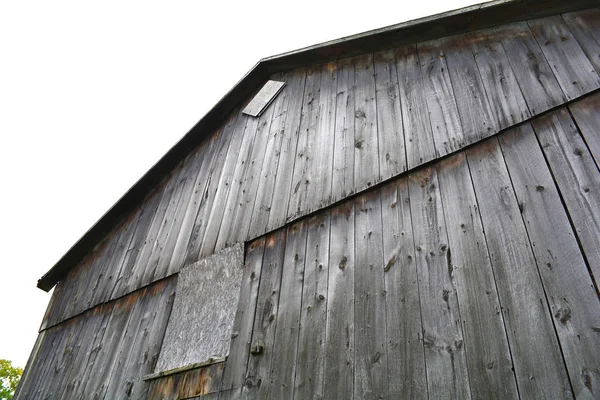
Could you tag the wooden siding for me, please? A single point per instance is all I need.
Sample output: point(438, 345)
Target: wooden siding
point(337, 129)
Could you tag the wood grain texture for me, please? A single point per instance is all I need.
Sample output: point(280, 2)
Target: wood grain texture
point(443, 339)
point(536, 354)
point(585, 26)
point(285, 344)
point(420, 147)
point(439, 94)
point(586, 113)
point(488, 356)
point(569, 288)
point(338, 380)
point(390, 135)
point(570, 65)
point(406, 358)
point(577, 177)
point(369, 300)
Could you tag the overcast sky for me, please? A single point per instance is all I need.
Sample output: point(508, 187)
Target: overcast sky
point(92, 94)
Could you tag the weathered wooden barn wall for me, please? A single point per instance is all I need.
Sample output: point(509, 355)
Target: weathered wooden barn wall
point(337, 129)
point(422, 222)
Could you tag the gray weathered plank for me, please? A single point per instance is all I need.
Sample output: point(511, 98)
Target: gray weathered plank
point(501, 87)
point(570, 291)
point(585, 26)
point(577, 177)
point(390, 136)
point(263, 98)
point(366, 148)
point(338, 379)
point(406, 359)
point(532, 71)
point(443, 340)
point(488, 355)
point(478, 119)
point(420, 147)
point(586, 113)
point(287, 157)
point(283, 363)
point(342, 180)
point(263, 332)
point(570, 65)
point(536, 355)
point(310, 362)
point(239, 350)
point(443, 112)
point(371, 373)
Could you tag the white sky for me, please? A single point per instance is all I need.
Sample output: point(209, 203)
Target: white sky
point(92, 94)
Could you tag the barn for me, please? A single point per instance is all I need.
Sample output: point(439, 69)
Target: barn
point(408, 213)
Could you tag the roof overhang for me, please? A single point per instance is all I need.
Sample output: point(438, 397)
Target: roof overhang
point(466, 19)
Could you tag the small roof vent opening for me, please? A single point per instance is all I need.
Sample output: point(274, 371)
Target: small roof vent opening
point(263, 98)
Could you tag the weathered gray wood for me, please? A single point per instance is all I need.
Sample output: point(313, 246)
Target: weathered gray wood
point(570, 291)
point(443, 112)
point(338, 378)
point(238, 211)
point(310, 362)
point(277, 134)
point(569, 63)
point(489, 362)
point(239, 350)
point(263, 98)
point(390, 136)
point(443, 340)
point(263, 332)
point(31, 367)
point(406, 359)
point(342, 180)
point(201, 323)
point(477, 117)
point(229, 180)
point(586, 113)
point(287, 157)
point(366, 148)
point(585, 26)
point(418, 137)
point(283, 362)
point(371, 373)
point(536, 355)
point(204, 381)
point(577, 178)
point(501, 87)
point(532, 71)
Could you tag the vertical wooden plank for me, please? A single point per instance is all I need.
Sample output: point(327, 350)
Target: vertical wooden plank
point(314, 154)
point(339, 338)
point(257, 376)
point(234, 374)
point(501, 87)
point(32, 367)
point(586, 113)
point(283, 363)
point(371, 373)
point(443, 112)
point(310, 362)
point(287, 157)
point(476, 114)
point(585, 26)
point(406, 359)
point(366, 147)
point(342, 180)
point(277, 135)
point(486, 344)
point(420, 147)
point(532, 71)
point(571, 294)
point(445, 359)
point(392, 152)
point(569, 63)
point(577, 178)
point(536, 355)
